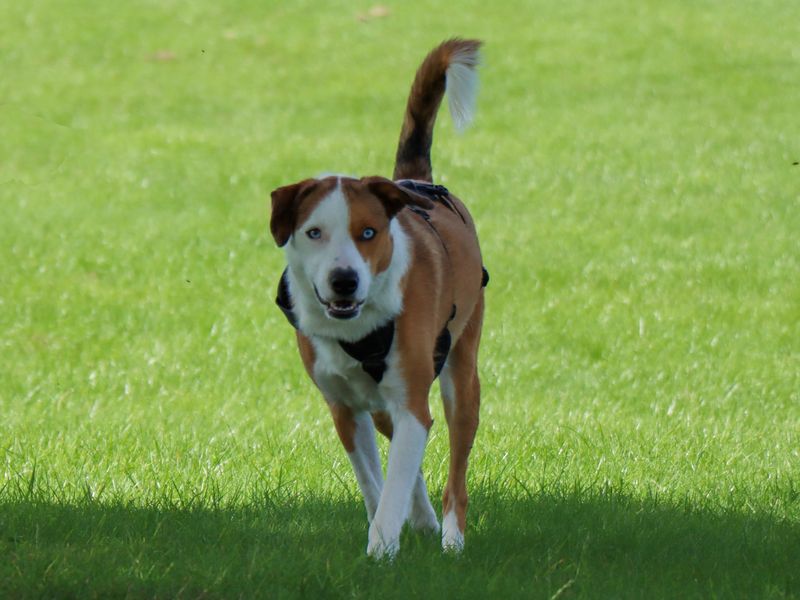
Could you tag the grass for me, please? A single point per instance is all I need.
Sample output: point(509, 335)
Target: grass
point(633, 174)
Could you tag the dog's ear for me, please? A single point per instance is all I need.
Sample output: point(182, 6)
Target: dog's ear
point(285, 201)
point(394, 197)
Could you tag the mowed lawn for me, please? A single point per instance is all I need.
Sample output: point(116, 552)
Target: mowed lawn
point(633, 170)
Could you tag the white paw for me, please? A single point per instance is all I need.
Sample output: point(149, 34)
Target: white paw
point(381, 545)
point(453, 541)
point(424, 520)
point(452, 536)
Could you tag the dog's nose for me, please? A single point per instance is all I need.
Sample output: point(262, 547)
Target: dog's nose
point(344, 281)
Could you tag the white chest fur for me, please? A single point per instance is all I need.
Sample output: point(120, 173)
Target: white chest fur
point(341, 379)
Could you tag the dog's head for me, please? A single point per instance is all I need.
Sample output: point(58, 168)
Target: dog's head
point(337, 235)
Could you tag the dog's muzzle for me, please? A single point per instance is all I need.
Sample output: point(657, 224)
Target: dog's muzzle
point(344, 283)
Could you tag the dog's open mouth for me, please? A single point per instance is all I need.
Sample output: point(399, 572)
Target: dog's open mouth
point(340, 309)
point(343, 309)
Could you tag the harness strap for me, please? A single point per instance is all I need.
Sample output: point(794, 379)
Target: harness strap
point(284, 300)
point(442, 195)
point(432, 192)
point(371, 351)
point(427, 218)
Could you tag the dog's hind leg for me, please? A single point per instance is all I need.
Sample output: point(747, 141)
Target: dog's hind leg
point(358, 438)
point(422, 516)
point(461, 391)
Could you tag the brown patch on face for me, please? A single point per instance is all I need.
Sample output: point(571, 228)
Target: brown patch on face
point(368, 212)
point(292, 204)
point(373, 202)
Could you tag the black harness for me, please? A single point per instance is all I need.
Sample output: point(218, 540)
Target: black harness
point(371, 350)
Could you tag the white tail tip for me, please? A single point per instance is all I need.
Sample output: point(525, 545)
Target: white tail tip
point(462, 87)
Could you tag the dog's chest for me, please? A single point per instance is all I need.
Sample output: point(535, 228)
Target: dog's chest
point(342, 379)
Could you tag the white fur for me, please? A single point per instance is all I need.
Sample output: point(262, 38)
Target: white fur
point(367, 463)
point(447, 387)
point(335, 248)
point(452, 536)
point(341, 378)
point(405, 458)
point(310, 262)
point(462, 87)
point(422, 517)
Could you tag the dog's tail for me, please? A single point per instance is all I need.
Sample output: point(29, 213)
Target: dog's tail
point(451, 67)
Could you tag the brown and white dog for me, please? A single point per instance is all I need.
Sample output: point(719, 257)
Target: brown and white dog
point(384, 285)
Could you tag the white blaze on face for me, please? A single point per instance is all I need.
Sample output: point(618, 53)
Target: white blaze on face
point(335, 248)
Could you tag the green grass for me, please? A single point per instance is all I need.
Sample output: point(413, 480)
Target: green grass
point(633, 174)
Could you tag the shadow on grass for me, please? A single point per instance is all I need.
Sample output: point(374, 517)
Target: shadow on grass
point(560, 546)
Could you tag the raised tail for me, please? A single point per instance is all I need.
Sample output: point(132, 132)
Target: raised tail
point(450, 67)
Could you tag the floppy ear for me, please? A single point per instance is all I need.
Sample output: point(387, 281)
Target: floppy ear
point(394, 197)
point(284, 209)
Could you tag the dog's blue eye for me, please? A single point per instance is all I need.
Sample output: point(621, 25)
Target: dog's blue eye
point(368, 233)
point(314, 233)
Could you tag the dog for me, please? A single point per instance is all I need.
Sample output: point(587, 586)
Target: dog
point(384, 285)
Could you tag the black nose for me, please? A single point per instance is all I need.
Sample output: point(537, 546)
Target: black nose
point(344, 281)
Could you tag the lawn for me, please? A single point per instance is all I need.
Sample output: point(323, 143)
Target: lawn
point(633, 170)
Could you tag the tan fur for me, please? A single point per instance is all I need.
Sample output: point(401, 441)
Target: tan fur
point(462, 415)
point(307, 353)
point(383, 423)
point(292, 204)
point(444, 271)
point(367, 211)
point(440, 279)
point(413, 159)
point(345, 424)
point(342, 415)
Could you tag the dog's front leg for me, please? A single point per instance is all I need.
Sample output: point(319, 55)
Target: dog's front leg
point(402, 471)
point(357, 434)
